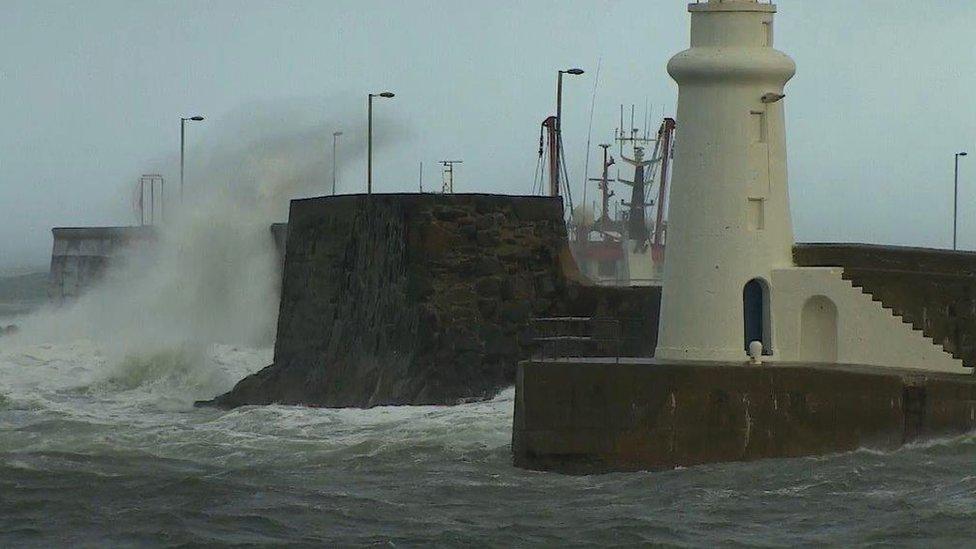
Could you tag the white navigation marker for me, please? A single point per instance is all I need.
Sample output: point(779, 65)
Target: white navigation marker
point(730, 279)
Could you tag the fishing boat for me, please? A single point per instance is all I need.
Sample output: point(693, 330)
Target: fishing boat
point(623, 246)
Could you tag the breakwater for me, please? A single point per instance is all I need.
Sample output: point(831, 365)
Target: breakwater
point(424, 299)
point(81, 256)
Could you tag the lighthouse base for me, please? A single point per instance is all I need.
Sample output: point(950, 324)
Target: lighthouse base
point(587, 416)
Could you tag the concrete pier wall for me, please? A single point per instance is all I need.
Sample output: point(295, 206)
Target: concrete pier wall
point(596, 417)
point(577, 417)
point(81, 256)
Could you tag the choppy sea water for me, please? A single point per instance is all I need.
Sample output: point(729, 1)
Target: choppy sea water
point(98, 454)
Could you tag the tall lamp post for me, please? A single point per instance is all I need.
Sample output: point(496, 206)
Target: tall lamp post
point(183, 146)
point(955, 200)
point(335, 140)
point(559, 126)
point(369, 141)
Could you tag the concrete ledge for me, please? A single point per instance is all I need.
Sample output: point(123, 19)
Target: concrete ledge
point(134, 232)
point(591, 417)
point(731, 6)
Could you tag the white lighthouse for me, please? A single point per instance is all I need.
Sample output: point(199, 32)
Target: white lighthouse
point(729, 280)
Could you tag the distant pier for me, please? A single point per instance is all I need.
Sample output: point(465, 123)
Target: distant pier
point(81, 256)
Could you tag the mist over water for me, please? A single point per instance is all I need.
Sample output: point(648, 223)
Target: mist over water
point(100, 444)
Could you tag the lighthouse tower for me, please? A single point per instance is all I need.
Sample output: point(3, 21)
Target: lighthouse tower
point(729, 279)
point(729, 206)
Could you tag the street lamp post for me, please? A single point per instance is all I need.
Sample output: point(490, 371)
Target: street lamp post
point(369, 141)
point(183, 146)
point(559, 125)
point(335, 140)
point(955, 201)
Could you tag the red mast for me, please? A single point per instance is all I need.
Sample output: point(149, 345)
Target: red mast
point(550, 127)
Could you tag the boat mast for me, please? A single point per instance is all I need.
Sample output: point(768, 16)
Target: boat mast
point(604, 223)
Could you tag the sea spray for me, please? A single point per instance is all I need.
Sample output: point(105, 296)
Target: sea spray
point(212, 275)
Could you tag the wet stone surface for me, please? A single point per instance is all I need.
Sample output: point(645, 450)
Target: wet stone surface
point(424, 299)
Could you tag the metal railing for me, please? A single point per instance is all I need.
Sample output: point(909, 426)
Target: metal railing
point(627, 282)
point(570, 336)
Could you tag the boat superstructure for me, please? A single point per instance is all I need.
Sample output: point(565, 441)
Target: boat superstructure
point(623, 245)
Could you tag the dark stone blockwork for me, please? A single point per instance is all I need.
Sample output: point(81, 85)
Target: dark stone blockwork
point(424, 299)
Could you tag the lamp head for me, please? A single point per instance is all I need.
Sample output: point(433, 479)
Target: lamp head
point(386, 94)
point(574, 71)
point(963, 154)
point(197, 118)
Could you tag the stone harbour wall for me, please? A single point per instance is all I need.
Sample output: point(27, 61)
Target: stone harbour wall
point(422, 299)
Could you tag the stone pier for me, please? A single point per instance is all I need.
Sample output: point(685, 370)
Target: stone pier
point(425, 299)
point(594, 416)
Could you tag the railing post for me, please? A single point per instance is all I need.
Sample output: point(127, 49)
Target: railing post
point(617, 335)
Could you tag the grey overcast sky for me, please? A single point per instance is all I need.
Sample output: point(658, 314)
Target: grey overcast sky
point(91, 93)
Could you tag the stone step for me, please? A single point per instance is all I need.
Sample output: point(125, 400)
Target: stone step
point(905, 319)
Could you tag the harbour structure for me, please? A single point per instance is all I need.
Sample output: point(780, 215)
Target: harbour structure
point(81, 256)
point(425, 298)
point(765, 348)
point(731, 220)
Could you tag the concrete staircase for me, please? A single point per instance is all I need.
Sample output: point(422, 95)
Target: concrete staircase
point(868, 332)
point(933, 290)
point(916, 325)
point(929, 352)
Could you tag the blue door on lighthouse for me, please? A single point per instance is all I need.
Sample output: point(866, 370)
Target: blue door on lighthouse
point(753, 311)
